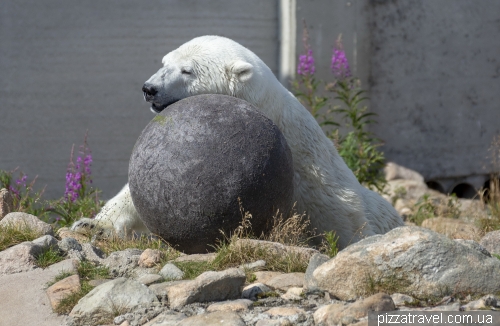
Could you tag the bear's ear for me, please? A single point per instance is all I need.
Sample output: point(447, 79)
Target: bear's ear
point(242, 70)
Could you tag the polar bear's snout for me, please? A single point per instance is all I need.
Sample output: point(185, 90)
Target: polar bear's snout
point(149, 91)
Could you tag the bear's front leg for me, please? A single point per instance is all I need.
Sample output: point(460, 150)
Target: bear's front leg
point(118, 216)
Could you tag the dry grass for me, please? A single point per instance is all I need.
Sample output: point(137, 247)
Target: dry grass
point(10, 235)
point(293, 231)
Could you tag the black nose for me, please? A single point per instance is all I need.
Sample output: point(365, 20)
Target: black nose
point(149, 89)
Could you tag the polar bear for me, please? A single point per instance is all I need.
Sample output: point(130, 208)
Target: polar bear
point(325, 188)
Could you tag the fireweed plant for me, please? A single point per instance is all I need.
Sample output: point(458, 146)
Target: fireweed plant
point(79, 200)
point(358, 147)
point(25, 198)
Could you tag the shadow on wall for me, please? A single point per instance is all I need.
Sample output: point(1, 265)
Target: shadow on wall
point(467, 188)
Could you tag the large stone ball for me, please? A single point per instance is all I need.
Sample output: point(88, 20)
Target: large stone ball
point(200, 157)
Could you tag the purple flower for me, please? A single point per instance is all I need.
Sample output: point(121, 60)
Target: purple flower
point(340, 65)
point(306, 64)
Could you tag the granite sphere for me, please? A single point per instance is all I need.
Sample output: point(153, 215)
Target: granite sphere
point(201, 157)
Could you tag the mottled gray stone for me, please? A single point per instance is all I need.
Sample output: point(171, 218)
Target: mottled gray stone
point(6, 202)
point(491, 241)
point(148, 279)
point(252, 290)
point(418, 261)
point(314, 262)
point(213, 319)
point(122, 263)
point(104, 300)
point(200, 157)
point(209, 286)
point(171, 272)
point(46, 241)
point(67, 244)
point(19, 258)
point(21, 220)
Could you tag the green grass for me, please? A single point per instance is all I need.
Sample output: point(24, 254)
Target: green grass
point(47, 257)
point(193, 269)
point(68, 303)
point(87, 271)
point(61, 276)
point(10, 235)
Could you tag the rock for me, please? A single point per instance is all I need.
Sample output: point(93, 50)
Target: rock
point(45, 241)
point(491, 241)
point(234, 305)
point(148, 279)
point(474, 246)
point(284, 311)
point(92, 253)
point(286, 281)
point(99, 281)
point(60, 290)
point(220, 151)
point(293, 293)
point(452, 228)
point(161, 289)
point(21, 220)
point(68, 243)
point(253, 266)
point(150, 258)
point(120, 294)
point(315, 261)
point(293, 315)
point(412, 260)
point(264, 276)
point(209, 257)
point(167, 318)
point(482, 304)
point(23, 297)
point(394, 171)
point(336, 314)
point(409, 189)
point(400, 299)
point(275, 248)
point(19, 258)
point(209, 286)
point(214, 318)
point(6, 203)
point(252, 291)
point(170, 272)
point(122, 263)
point(65, 232)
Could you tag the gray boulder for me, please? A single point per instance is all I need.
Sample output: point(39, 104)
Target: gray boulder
point(491, 241)
point(122, 263)
point(6, 202)
point(171, 272)
point(209, 286)
point(21, 220)
point(409, 260)
point(198, 159)
point(107, 300)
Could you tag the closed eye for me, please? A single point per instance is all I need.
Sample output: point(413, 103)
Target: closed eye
point(186, 70)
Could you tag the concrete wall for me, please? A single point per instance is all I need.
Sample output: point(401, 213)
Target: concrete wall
point(68, 66)
point(435, 79)
point(431, 70)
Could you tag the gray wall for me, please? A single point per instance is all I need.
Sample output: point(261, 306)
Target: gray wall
point(68, 66)
point(431, 70)
point(435, 80)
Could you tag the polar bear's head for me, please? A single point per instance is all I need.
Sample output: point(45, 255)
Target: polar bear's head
point(207, 65)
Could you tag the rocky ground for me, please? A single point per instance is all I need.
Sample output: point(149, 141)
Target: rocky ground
point(410, 268)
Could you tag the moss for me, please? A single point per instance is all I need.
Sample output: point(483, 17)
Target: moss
point(162, 120)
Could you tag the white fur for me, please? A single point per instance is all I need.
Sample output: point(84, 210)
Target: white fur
point(325, 188)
